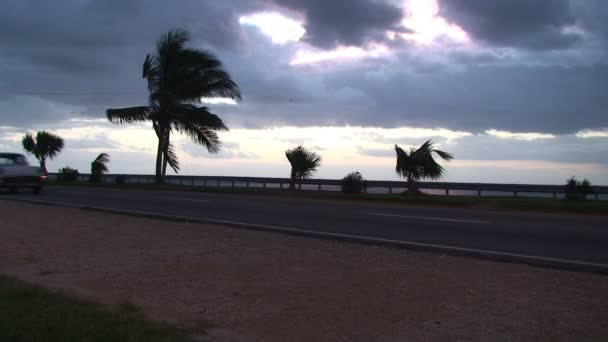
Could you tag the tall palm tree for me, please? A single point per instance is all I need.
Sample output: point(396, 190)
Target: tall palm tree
point(44, 145)
point(178, 78)
point(419, 164)
point(304, 164)
point(99, 166)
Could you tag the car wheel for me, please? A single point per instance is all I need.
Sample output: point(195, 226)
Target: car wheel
point(36, 189)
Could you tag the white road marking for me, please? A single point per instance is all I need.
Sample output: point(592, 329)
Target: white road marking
point(471, 251)
point(430, 218)
point(187, 199)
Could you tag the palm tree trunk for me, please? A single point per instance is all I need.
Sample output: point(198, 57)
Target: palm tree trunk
point(166, 151)
point(159, 161)
point(159, 152)
point(292, 183)
point(412, 187)
point(43, 166)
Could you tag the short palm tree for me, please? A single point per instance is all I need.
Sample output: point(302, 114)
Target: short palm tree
point(419, 164)
point(304, 164)
point(44, 145)
point(178, 78)
point(99, 167)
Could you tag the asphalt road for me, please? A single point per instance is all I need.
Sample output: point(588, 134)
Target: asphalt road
point(569, 237)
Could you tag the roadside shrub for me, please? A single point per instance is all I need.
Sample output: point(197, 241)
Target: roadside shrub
point(99, 167)
point(67, 174)
point(353, 183)
point(578, 190)
point(120, 179)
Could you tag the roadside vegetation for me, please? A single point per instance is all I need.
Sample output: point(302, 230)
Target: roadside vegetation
point(43, 146)
point(31, 313)
point(353, 183)
point(304, 164)
point(419, 164)
point(67, 174)
point(578, 190)
point(99, 167)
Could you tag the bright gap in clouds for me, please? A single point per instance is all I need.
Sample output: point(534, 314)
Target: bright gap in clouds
point(425, 25)
point(592, 134)
point(278, 27)
point(219, 101)
point(519, 136)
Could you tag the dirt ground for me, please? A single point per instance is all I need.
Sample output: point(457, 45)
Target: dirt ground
point(242, 285)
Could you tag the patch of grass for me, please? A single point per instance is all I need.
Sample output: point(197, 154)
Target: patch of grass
point(30, 313)
point(546, 205)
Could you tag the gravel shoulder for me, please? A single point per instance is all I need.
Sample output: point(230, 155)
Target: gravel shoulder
point(241, 285)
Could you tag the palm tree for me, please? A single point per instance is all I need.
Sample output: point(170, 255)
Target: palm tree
point(99, 167)
point(303, 164)
point(178, 78)
point(419, 164)
point(44, 145)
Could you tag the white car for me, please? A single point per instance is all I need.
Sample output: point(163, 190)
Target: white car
point(15, 173)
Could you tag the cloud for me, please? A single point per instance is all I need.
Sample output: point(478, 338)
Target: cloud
point(69, 60)
point(516, 23)
point(376, 152)
point(229, 150)
point(345, 22)
point(95, 142)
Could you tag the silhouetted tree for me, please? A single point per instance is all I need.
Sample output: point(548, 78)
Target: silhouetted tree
point(303, 164)
point(419, 164)
point(178, 78)
point(44, 145)
point(99, 167)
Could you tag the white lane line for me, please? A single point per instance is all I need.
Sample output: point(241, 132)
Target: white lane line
point(525, 257)
point(430, 218)
point(186, 199)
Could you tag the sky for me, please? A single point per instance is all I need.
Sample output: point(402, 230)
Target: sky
point(517, 90)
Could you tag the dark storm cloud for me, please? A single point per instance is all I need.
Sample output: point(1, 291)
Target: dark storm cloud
point(345, 22)
point(89, 53)
point(517, 23)
point(552, 99)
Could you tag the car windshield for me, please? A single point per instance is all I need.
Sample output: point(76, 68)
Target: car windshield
point(13, 160)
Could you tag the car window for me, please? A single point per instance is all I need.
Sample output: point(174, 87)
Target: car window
point(21, 160)
point(6, 161)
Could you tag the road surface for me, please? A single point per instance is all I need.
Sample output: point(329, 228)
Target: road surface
point(570, 237)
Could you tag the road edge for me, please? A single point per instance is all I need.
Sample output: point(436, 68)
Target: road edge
point(538, 261)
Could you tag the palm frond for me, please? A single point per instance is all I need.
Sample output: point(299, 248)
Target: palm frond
point(419, 163)
point(171, 157)
point(200, 116)
point(304, 163)
point(199, 134)
point(29, 144)
point(102, 158)
point(48, 144)
point(99, 166)
point(128, 115)
point(444, 155)
point(200, 74)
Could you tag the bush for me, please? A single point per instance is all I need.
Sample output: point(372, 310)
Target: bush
point(353, 183)
point(120, 179)
point(67, 174)
point(578, 190)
